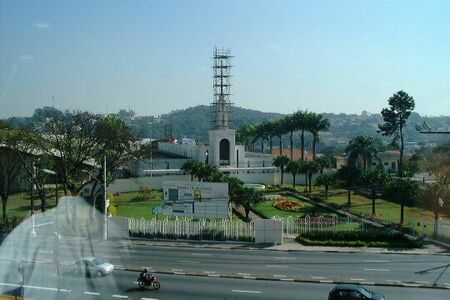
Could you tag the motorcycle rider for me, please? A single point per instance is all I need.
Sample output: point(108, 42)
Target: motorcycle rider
point(147, 275)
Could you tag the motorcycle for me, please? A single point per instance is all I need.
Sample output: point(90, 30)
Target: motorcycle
point(144, 282)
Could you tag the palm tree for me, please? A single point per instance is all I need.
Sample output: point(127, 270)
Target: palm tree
point(301, 121)
point(244, 135)
point(191, 166)
point(282, 129)
point(316, 123)
point(289, 125)
point(273, 130)
point(322, 163)
point(281, 162)
point(293, 167)
point(326, 180)
point(365, 147)
point(206, 171)
point(348, 175)
point(312, 169)
point(304, 170)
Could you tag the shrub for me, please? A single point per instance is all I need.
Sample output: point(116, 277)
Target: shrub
point(145, 195)
point(288, 205)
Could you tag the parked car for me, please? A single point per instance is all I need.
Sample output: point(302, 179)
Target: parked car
point(353, 292)
point(91, 266)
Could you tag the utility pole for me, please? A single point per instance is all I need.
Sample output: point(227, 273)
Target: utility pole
point(105, 225)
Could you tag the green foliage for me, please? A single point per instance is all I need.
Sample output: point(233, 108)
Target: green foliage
point(365, 147)
point(357, 239)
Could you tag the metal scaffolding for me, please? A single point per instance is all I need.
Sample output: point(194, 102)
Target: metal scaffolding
point(221, 105)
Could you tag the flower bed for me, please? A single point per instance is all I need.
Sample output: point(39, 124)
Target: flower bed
point(287, 205)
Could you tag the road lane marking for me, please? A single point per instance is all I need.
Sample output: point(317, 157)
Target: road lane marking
point(244, 274)
point(177, 270)
point(317, 277)
point(188, 261)
point(213, 275)
point(286, 279)
point(423, 282)
point(326, 281)
point(357, 279)
point(201, 254)
point(249, 277)
point(279, 276)
point(283, 257)
point(35, 287)
point(376, 261)
point(379, 270)
point(277, 266)
point(149, 299)
point(411, 284)
point(209, 272)
point(120, 296)
point(246, 291)
point(92, 293)
point(179, 273)
point(107, 256)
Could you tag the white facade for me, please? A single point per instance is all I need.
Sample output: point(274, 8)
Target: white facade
point(222, 147)
point(196, 199)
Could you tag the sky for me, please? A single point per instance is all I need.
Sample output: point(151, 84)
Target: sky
point(156, 56)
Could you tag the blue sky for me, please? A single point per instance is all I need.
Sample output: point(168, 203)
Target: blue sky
point(156, 56)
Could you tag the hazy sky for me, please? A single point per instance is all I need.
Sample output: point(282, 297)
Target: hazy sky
point(156, 56)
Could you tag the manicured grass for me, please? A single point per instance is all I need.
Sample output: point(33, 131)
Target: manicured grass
point(127, 206)
point(266, 209)
point(386, 211)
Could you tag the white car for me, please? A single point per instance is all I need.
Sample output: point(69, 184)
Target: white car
point(92, 266)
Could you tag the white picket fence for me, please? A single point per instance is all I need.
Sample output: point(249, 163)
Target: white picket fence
point(295, 226)
point(192, 229)
point(426, 228)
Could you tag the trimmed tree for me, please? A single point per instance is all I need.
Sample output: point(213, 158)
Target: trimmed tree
point(348, 176)
point(281, 162)
point(365, 147)
point(326, 180)
point(247, 196)
point(293, 167)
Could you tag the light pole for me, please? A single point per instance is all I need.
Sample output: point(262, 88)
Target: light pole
point(425, 128)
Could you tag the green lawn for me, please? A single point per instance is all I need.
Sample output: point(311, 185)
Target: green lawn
point(386, 210)
point(265, 208)
point(129, 207)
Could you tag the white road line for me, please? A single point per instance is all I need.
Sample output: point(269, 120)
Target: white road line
point(149, 299)
point(283, 257)
point(179, 273)
point(379, 270)
point(35, 287)
point(188, 261)
point(286, 279)
point(357, 279)
point(326, 281)
point(107, 256)
point(120, 296)
point(92, 293)
point(213, 275)
point(201, 254)
point(376, 261)
point(249, 277)
point(244, 274)
point(448, 284)
point(279, 276)
point(317, 277)
point(411, 284)
point(424, 282)
point(177, 270)
point(277, 266)
point(245, 291)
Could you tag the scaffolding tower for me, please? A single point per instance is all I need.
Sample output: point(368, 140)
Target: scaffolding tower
point(221, 105)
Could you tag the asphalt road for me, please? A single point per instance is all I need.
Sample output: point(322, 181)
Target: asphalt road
point(121, 285)
point(363, 268)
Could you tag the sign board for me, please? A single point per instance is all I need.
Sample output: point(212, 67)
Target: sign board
point(199, 199)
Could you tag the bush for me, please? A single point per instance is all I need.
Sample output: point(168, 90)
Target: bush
point(357, 239)
point(145, 195)
point(288, 205)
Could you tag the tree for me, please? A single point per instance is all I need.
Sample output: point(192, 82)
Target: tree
point(435, 197)
point(400, 107)
point(234, 185)
point(312, 168)
point(326, 180)
point(348, 176)
point(205, 172)
point(374, 179)
point(192, 167)
point(322, 162)
point(316, 124)
point(16, 145)
point(301, 120)
point(405, 190)
point(293, 167)
point(247, 196)
point(365, 147)
point(290, 126)
point(281, 162)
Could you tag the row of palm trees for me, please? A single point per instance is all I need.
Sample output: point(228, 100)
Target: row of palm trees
point(300, 121)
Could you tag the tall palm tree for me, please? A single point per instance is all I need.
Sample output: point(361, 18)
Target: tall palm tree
point(323, 162)
point(316, 123)
point(293, 167)
point(289, 124)
point(348, 175)
point(303, 169)
point(326, 180)
point(365, 147)
point(301, 121)
point(282, 129)
point(281, 162)
point(273, 130)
